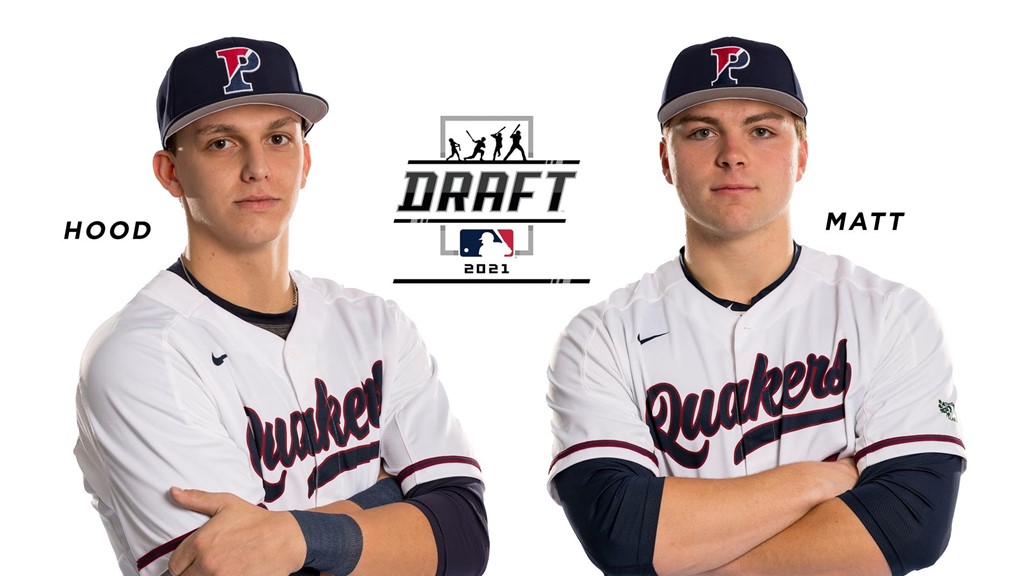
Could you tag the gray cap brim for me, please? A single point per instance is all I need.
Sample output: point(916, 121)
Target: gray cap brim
point(310, 107)
point(780, 99)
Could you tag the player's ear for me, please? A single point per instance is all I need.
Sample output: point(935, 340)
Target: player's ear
point(801, 159)
point(165, 171)
point(663, 151)
point(306, 161)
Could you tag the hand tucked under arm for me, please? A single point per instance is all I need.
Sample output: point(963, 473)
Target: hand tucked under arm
point(704, 524)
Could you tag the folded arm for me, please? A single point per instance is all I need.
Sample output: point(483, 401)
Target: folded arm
point(896, 519)
point(439, 528)
point(707, 523)
point(631, 522)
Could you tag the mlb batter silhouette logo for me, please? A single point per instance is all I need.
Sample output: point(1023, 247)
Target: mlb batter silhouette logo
point(486, 243)
point(239, 61)
point(729, 58)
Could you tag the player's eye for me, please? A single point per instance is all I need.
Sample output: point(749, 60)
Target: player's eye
point(701, 134)
point(762, 132)
point(279, 139)
point(220, 144)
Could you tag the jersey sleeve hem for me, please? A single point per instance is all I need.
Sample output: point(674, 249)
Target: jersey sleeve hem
point(437, 468)
point(909, 445)
point(599, 449)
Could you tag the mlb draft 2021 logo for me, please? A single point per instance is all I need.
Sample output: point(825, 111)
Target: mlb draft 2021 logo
point(489, 204)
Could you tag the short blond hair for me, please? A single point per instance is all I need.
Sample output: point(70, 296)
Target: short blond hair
point(801, 127)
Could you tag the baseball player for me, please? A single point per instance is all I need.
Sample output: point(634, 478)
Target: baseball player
point(753, 406)
point(497, 144)
point(238, 418)
point(516, 137)
point(479, 148)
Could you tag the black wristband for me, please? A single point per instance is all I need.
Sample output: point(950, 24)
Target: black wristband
point(334, 542)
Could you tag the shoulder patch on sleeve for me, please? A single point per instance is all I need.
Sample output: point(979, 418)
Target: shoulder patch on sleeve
point(949, 409)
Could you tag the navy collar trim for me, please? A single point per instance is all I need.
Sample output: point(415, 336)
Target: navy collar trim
point(250, 316)
point(739, 306)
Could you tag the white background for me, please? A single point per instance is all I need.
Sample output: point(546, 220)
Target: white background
point(913, 108)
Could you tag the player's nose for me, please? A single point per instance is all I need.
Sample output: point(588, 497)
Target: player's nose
point(256, 166)
point(731, 151)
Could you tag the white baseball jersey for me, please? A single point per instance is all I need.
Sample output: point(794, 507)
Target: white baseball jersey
point(176, 391)
point(833, 362)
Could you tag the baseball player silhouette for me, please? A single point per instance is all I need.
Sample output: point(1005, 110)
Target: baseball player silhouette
point(516, 137)
point(479, 148)
point(455, 149)
point(309, 414)
point(497, 143)
point(752, 405)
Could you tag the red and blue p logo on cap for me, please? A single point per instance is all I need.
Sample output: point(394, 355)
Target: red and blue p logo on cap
point(239, 61)
point(729, 58)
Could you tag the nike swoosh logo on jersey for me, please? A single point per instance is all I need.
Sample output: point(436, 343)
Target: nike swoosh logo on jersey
point(643, 341)
point(217, 361)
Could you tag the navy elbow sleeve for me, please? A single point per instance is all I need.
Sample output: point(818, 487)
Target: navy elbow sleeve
point(455, 509)
point(385, 491)
point(907, 505)
point(613, 507)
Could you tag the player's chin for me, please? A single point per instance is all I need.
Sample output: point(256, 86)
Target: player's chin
point(729, 226)
point(742, 221)
point(258, 235)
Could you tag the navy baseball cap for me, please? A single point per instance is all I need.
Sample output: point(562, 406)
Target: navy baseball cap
point(232, 72)
point(730, 68)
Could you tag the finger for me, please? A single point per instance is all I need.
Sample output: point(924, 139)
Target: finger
point(198, 500)
point(182, 557)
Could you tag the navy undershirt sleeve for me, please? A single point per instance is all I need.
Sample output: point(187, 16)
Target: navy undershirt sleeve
point(907, 505)
point(455, 509)
point(385, 491)
point(613, 507)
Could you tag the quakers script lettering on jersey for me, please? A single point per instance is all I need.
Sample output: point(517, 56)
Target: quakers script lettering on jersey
point(831, 362)
point(773, 390)
point(315, 430)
